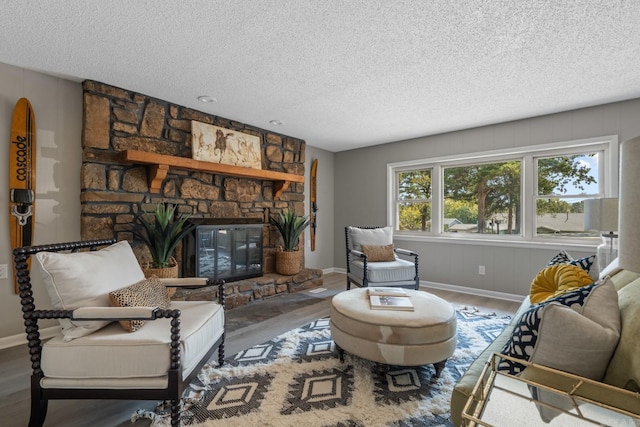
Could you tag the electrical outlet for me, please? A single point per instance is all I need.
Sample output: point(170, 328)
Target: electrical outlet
point(481, 270)
point(4, 273)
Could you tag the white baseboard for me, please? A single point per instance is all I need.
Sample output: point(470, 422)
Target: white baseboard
point(459, 289)
point(472, 291)
point(15, 340)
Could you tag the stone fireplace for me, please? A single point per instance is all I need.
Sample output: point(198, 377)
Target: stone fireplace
point(114, 187)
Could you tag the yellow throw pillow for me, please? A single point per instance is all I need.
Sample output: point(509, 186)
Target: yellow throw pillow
point(378, 253)
point(146, 293)
point(556, 280)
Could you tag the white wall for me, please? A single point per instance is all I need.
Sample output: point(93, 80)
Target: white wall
point(57, 104)
point(360, 192)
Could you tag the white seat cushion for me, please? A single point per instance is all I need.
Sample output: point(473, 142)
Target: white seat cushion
point(389, 271)
point(112, 353)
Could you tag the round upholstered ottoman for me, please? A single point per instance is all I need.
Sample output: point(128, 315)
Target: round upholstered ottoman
point(406, 338)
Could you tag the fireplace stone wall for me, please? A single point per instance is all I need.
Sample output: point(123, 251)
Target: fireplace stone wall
point(116, 119)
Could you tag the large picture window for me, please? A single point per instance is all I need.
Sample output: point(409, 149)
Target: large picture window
point(479, 198)
point(534, 192)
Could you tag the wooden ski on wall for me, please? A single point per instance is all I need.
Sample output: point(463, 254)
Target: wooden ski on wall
point(22, 175)
point(314, 202)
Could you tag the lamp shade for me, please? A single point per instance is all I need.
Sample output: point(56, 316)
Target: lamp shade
point(629, 229)
point(601, 214)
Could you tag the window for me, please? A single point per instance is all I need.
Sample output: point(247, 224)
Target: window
point(534, 192)
point(479, 198)
point(414, 200)
point(563, 184)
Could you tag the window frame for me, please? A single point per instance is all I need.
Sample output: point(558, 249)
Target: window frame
point(528, 155)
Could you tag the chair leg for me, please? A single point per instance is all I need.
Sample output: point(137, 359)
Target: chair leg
point(348, 284)
point(38, 412)
point(39, 404)
point(221, 352)
point(175, 412)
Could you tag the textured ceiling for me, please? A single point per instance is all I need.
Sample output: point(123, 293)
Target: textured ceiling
point(340, 74)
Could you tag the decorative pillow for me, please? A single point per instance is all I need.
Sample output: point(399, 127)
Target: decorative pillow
point(370, 236)
point(146, 293)
point(576, 332)
point(561, 257)
point(557, 280)
point(84, 279)
point(378, 253)
point(585, 263)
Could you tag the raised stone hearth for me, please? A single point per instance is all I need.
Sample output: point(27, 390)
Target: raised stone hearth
point(258, 288)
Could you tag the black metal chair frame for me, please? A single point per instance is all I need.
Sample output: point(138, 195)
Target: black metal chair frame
point(353, 253)
point(40, 396)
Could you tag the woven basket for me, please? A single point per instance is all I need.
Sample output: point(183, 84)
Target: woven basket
point(288, 263)
point(170, 272)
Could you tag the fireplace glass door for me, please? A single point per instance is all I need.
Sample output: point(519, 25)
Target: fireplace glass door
point(229, 252)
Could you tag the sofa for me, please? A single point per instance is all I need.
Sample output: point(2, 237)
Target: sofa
point(617, 317)
point(623, 369)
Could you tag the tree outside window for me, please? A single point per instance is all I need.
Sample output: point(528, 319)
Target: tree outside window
point(491, 190)
point(414, 200)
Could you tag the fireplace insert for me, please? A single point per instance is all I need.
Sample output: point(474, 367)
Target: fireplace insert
point(223, 251)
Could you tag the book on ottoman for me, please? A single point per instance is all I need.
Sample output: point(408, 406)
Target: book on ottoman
point(390, 303)
point(392, 292)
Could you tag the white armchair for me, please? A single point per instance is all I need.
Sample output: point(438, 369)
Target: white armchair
point(94, 356)
point(372, 259)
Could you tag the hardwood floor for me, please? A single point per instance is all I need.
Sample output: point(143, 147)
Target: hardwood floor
point(246, 326)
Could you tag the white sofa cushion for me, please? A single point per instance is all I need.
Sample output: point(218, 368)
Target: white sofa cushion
point(84, 279)
point(112, 353)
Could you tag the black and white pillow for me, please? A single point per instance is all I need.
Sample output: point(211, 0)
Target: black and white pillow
point(561, 257)
point(586, 263)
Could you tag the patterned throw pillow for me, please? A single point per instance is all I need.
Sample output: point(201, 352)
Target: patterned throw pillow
point(146, 293)
point(585, 263)
point(376, 253)
point(561, 257)
point(559, 332)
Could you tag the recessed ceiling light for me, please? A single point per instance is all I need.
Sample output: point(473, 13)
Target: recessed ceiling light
point(207, 99)
point(276, 122)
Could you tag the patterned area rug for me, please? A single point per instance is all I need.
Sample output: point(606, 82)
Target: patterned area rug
point(297, 380)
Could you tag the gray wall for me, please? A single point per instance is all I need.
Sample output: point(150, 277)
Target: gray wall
point(58, 109)
point(351, 187)
point(322, 257)
point(360, 194)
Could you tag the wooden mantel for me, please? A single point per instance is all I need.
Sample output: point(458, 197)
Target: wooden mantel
point(160, 164)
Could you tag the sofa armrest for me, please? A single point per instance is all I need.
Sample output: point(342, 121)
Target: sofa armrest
point(405, 252)
point(186, 282)
point(114, 313)
point(357, 253)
